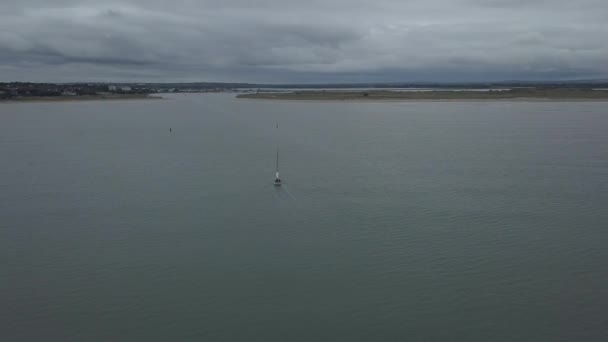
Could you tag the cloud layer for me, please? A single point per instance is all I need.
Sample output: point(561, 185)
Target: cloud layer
point(312, 41)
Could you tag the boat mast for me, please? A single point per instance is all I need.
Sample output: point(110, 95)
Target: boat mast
point(277, 170)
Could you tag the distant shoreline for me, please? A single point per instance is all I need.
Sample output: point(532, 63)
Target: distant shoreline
point(437, 95)
point(29, 99)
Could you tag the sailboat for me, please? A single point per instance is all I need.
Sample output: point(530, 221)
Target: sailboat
point(277, 180)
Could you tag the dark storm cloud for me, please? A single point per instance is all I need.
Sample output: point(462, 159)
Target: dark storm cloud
point(293, 41)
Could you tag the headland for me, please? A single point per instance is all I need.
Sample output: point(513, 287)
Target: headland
point(526, 94)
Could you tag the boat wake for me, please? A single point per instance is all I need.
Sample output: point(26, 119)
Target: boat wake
point(289, 194)
point(284, 196)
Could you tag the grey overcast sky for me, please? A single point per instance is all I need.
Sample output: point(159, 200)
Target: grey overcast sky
point(303, 41)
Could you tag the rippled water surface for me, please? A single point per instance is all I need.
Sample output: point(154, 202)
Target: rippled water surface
point(429, 221)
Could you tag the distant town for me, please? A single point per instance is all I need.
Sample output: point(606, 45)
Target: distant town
point(21, 90)
point(68, 91)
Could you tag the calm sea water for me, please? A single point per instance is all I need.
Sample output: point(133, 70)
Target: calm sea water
point(397, 222)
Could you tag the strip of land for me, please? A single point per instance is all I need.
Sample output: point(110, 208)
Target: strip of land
point(112, 97)
point(531, 94)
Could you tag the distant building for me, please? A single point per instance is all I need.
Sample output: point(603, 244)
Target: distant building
point(126, 88)
point(68, 93)
point(111, 88)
